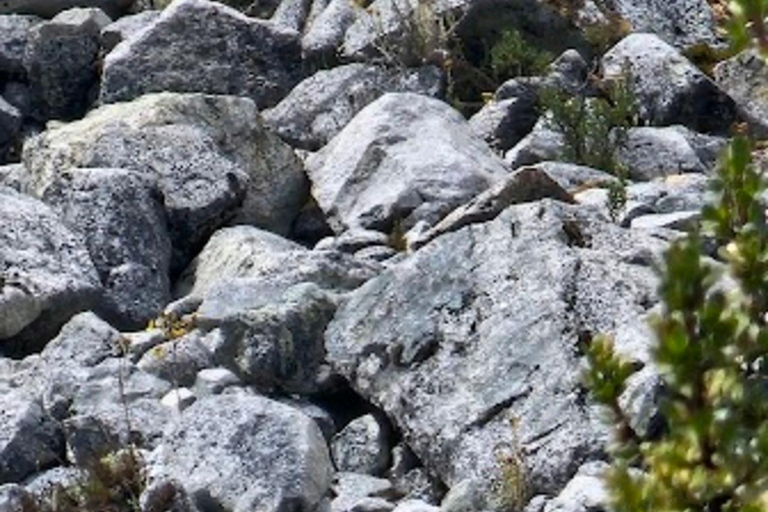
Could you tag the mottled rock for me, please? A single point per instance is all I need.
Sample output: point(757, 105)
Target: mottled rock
point(363, 446)
point(202, 46)
point(124, 28)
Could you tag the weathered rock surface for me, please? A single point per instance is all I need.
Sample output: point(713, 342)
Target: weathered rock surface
point(652, 152)
point(50, 8)
point(213, 160)
point(363, 446)
point(61, 60)
point(14, 34)
point(202, 46)
point(122, 29)
point(120, 216)
point(266, 455)
point(321, 106)
point(404, 158)
point(745, 78)
point(325, 33)
point(46, 275)
point(669, 89)
point(465, 331)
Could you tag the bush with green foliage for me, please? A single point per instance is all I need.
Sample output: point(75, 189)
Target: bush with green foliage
point(712, 352)
point(593, 128)
point(512, 55)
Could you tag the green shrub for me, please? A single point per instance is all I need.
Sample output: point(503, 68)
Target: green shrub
point(592, 128)
point(512, 55)
point(712, 348)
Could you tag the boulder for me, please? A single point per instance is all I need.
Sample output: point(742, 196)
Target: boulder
point(50, 8)
point(481, 328)
point(245, 453)
point(30, 440)
point(651, 152)
point(502, 124)
point(202, 46)
point(245, 252)
point(212, 159)
point(669, 89)
point(683, 24)
point(14, 34)
point(586, 492)
point(404, 158)
point(325, 33)
point(61, 60)
point(363, 446)
point(121, 217)
point(321, 106)
point(124, 28)
point(10, 127)
point(291, 14)
point(46, 275)
point(540, 145)
point(745, 78)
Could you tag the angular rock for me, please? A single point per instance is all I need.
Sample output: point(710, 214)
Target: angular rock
point(121, 217)
point(415, 506)
point(745, 78)
point(10, 126)
point(404, 158)
point(321, 106)
point(13, 176)
point(124, 28)
point(325, 34)
point(504, 123)
point(166, 495)
point(245, 252)
point(683, 24)
point(14, 34)
point(680, 221)
point(178, 399)
point(540, 145)
point(30, 440)
point(291, 14)
point(651, 152)
point(482, 326)
point(245, 453)
point(61, 60)
point(202, 46)
point(586, 492)
point(212, 381)
point(45, 272)
point(572, 177)
point(211, 156)
point(669, 89)
point(179, 360)
point(363, 446)
point(50, 8)
point(524, 185)
point(88, 440)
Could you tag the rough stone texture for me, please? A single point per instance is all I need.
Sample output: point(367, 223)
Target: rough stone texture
point(321, 106)
point(363, 446)
point(29, 439)
point(325, 34)
point(212, 381)
point(50, 8)
point(652, 152)
point(572, 177)
point(502, 124)
point(291, 14)
point(124, 28)
point(350, 488)
point(586, 492)
point(10, 126)
point(682, 23)
point(164, 496)
point(540, 145)
point(404, 158)
point(210, 154)
point(525, 185)
point(202, 46)
point(178, 360)
point(745, 78)
point(247, 252)
point(483, 325)
point(14, 498)
point(84, 377)
point(669, 89)
point(120, 216)
point(14, 33)
point(61, 60)
point(47, 269)
point(13, 176)
point(267, 456)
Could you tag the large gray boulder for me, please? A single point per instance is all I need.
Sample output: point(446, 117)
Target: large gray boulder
point(245, 453)
point(321, 106)
point(745, 78)
point(325, 33)
point(202, 46)
point(481, 328)
point(651, 152)
point(684, 24)
point(14, 34)
point(212, 158)
point(46, 274)
point(61, 60)
point(404, 158)
point(50, 8)
point(669, 89)
point(266, 302)
point(29, 439)
point(120, 216)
